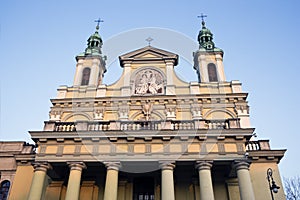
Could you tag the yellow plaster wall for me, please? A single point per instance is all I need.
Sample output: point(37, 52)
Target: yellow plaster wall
point(118, 84)
point(122, 148)
point(197, 192)
point(161, 66)
point(22, 182)
point(129, 191)
point(69, 149)
point(51, 149)
point(183, 91)
point(184, 191)
point(157, 148)
point(258, 172)
point(63, 192)
point(233, 189)
point(212, 147)
point(193, 148)
point(175, 148)
point(139, 148)
point(230, 147)
point(87, 62)
point(104, 149)
point(53, 191)
point(178, 82)
point(75, 117)
point(220, 191)
point(110, 115)
point(86, 149)
point(216, 115)
point(88, 191)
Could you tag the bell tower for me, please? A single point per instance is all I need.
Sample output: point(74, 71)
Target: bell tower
point(90, 66)
point(208, 59)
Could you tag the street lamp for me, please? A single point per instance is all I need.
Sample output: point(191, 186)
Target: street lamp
point(272, 185)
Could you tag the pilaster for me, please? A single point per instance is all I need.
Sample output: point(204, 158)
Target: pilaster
point(125, 91)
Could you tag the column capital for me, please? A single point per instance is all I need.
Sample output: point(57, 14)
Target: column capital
point(41, 166)
point(76, 165)
point(166, 165)
point(204, 165)
point(114, 165)
point(241, 164)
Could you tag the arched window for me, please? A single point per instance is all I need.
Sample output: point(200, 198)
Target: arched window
point(212, 72)
point(85, 76)
point(4, 188)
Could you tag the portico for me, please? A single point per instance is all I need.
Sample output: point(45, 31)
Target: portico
point(150, 135)
point(112, 182)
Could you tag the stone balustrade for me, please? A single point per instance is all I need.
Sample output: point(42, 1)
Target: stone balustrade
point(65, 126)
point(141, 125)
point(258, 145)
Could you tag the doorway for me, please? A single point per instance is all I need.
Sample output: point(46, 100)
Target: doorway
point(143, 188)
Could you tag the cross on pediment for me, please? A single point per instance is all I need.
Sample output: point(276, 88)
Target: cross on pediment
point(149, 40)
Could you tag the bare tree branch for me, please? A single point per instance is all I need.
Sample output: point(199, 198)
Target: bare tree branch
point(292, 188)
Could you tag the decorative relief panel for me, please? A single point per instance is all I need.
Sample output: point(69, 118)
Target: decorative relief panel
point(148, 81)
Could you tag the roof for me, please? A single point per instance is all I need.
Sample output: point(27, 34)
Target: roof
point(148, 53)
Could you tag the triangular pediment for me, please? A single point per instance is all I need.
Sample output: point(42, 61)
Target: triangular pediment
point(147, 54)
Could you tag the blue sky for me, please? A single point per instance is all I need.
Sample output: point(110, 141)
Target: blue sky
point(39, 40)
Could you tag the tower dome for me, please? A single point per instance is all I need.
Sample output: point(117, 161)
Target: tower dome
point(94, 43)
point(205, 38)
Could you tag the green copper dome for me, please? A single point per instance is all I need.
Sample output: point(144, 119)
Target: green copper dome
point(94, 44)
point(205, 39)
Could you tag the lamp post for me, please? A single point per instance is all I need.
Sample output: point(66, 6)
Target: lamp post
point(272, 185)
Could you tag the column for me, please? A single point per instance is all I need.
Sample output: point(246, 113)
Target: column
point(111, 184)
point(73, 188)
point(37, 185)
point(167, 181)
point(245, 184)
point(205, 181)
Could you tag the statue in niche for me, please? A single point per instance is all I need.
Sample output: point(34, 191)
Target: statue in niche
point(148, 81)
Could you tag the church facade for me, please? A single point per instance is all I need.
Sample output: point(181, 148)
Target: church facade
point(150, 135)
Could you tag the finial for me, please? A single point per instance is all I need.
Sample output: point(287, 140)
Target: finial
point(202, 17)
point(149, 40)
point(98, 23)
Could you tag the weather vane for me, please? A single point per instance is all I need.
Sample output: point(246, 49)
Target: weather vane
point(149, 40)
point(98, 22)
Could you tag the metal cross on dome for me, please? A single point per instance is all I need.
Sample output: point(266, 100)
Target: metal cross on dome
point(149, 40)
point(202, 16)
point(98, 22)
